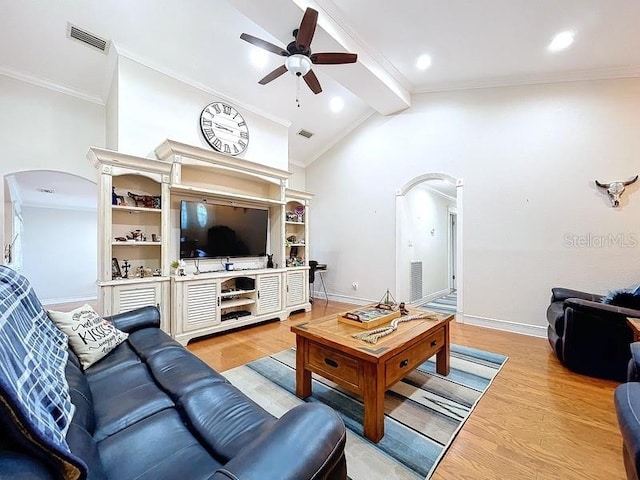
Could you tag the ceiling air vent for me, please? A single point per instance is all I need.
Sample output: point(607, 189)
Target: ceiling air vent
point(88, 38)
point(305, 134)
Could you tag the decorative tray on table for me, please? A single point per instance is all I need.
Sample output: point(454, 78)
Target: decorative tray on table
point(369, 316)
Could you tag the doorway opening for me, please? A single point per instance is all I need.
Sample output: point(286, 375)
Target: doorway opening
point(429, 243)
point(50, 233)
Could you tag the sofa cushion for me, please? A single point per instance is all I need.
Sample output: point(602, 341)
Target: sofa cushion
point(178, 371)
point(91, 337)
point(34, 395)
point(158, 447)
point(224, 418)
point(121, 357)
point(148, 341)
point(125, 398)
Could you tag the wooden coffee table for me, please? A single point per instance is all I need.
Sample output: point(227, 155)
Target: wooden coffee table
point(325, 347)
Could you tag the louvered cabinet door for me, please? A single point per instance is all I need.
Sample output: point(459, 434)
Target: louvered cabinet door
point(201, 308)
point(296, 288)
point(130, 297)
point(269, 293)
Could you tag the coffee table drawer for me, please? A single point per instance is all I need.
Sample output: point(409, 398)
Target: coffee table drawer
point(401, 364)
point(335, 365)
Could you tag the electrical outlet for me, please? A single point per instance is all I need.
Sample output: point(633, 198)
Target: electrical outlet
point(355, 285)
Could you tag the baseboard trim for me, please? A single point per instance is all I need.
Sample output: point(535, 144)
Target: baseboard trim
point(55, 301)
point(342, 298)
point(504, 325)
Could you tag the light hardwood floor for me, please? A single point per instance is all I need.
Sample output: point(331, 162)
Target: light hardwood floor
point(537, 420)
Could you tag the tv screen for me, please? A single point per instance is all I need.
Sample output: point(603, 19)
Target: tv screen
point(210, 230)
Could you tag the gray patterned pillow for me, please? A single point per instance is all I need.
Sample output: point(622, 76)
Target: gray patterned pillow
point(91, 337)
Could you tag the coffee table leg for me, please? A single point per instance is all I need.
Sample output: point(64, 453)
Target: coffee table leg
point(303, 376)
point(443, 357)
point(373, 402)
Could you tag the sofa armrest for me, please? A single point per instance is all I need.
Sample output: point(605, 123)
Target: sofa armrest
point(306, 442)
point(144, 317)
point(560, 294)
point(17, 466)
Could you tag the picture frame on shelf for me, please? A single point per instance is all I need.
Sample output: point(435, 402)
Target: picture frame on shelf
point(115, 269)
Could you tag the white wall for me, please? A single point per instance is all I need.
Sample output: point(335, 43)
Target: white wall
point(153, 107)
point(297, 180)
point(528, 156)
point(59, 251)
point(41, 129)
point(424, 236)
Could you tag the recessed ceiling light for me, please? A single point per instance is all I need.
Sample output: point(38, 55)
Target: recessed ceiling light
point(336, 104)
point(561, 41)
point(423, 62)
point(259, 57)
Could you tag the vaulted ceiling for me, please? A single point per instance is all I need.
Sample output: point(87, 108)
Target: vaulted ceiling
point(470, 43)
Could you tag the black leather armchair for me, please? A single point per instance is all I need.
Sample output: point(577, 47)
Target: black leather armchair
point(588, 336)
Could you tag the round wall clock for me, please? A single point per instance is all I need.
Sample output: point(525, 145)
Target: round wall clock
point(224, 128)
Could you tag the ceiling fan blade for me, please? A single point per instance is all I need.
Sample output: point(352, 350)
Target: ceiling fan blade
point(270, 47)
point(333, 58)
point(312, 81)
point(307, 29)
point(273, 75)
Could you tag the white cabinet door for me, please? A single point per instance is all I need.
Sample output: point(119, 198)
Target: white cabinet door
point(269, 294)
point(130, 297)
point(201, 305)
point(296, 288)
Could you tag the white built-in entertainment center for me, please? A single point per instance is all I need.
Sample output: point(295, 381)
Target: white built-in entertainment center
point(203, 295)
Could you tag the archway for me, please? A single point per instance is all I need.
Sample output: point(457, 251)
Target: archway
point(429, 226)
point(50, 224)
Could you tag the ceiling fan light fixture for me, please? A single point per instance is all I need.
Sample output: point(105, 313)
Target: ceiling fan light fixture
point(298, 64)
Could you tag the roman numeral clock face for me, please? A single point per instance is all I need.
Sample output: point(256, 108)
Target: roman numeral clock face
point(224, 128)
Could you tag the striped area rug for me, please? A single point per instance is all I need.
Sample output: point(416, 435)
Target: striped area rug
point(446, 304)
point(423, 412)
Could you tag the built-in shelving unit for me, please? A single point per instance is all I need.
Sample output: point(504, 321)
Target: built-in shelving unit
point(133, 256)
point(207, 299)
point(296, 229)
point(296, 246)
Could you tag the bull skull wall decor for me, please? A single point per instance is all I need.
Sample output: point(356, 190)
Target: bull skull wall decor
point(616, 189)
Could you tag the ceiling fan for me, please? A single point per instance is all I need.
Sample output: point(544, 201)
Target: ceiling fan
point(298, 53)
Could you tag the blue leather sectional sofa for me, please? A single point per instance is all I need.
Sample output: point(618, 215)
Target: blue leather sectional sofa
point(148, 410)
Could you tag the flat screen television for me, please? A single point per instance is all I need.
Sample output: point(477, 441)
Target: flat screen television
point(211, 230)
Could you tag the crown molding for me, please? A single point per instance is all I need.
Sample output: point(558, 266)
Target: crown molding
point(517, 80)
point(49, 84)
point(296, 162)
point(123, 52)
